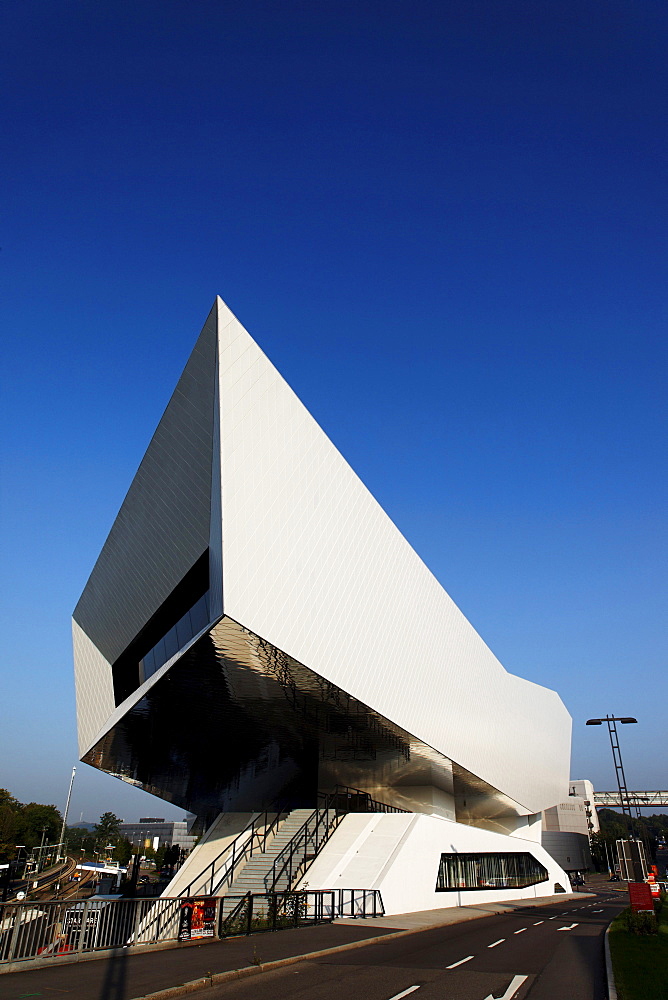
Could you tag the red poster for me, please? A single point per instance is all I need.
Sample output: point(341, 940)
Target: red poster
point(197, 919)
point(640, 896)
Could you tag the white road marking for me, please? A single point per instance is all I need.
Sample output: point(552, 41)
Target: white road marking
point(460, 962)
point(538, 923)
point(597, 911)
point(553, 918)
point(567, 928)
point(411, 989)
point(511, 991)
point(500, 941)
point(520, 931)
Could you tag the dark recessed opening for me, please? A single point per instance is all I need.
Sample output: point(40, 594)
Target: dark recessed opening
point(126, 672)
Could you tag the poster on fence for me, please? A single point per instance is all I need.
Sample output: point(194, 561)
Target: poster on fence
point(197, 919)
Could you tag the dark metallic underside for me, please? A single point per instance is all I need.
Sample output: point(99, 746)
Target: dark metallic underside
point(235, 724)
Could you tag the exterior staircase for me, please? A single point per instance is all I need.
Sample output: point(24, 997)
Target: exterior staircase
point(255, 875)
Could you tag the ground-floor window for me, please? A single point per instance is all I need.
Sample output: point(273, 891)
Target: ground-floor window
point(489, 871)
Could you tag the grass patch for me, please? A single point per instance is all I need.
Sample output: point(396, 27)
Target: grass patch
point(640, 961)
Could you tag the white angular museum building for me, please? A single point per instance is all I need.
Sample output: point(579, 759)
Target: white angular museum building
point(258, 644)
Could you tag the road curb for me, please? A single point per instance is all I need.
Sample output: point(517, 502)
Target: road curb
point(612, 989)
point(253, 970)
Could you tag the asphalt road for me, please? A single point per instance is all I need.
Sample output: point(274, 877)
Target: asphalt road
point(545, 953)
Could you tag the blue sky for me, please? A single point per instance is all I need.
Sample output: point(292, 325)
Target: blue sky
point(443, 222)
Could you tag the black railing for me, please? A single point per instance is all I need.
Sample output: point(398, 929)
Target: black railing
point(355, 800)
point(273, 911)
point(296, 857)
point(222, 869)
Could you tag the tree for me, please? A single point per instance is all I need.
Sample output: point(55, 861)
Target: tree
point(123, 851)
point(108, 830)
point(35, 819)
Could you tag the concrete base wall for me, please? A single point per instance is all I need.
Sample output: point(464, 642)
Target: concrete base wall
point(399, 854)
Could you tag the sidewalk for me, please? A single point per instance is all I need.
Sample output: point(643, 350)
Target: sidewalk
point(131, 975)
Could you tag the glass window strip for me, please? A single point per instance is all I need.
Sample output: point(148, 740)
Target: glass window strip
point(192, 622)
point(489, 871)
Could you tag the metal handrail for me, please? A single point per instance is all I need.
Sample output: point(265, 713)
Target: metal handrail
point(361, 798)
point(300, 852)
point(251, 839)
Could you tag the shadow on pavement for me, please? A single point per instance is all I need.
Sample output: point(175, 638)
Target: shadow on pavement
point(115, 974)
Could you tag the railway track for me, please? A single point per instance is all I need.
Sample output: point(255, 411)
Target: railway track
point(48, 879)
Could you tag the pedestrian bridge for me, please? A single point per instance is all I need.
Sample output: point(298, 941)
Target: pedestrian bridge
point(642, 799)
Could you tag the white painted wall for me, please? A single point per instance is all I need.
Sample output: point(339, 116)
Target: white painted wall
point(399, 854)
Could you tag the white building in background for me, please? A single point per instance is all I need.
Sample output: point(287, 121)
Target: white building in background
point(256, 633)
point(155, 832)
point(584, 790)
point(568, 827)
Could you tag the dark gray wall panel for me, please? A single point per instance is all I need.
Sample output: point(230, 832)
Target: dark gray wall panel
point(163, 524)
point(570, 850)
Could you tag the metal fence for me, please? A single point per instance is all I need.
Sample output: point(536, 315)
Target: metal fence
point(64, 930)
point(271, 911)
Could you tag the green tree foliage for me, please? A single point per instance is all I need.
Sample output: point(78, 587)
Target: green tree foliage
point(108, 830)
point(123, 852)
point(24, 824)
point(616, 826)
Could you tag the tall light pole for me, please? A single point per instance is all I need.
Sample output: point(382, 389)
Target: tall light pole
point(632, 864)
point(612, 721)
point(67, 806)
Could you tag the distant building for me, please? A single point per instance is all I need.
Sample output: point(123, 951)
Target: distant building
point(568, 826)
point(585, 790)
point(154, 832)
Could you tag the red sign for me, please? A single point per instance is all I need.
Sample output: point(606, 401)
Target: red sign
point(640, 896)
point(655, 889)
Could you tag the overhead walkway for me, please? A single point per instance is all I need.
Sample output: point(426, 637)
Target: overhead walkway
point(644, 800)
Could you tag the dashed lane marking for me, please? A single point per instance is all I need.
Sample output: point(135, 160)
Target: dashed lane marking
point(568, 928)
point(460, 962)
point(500, 941)
point(538, 923)
point(411, 989)
point(520, 931)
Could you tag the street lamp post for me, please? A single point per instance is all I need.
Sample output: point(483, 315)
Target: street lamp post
point(67, 809)
point(612, 721)
point(632, 865)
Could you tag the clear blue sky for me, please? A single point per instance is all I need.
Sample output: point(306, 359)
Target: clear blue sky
point(444, 223)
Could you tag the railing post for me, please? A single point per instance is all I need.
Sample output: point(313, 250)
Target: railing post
point(84, 924)
point(249, 914)
point(16, 927)
point(137, 921)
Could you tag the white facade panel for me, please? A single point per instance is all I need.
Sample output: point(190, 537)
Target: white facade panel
point(313, 564)
point(94, 688)
point(400, 854)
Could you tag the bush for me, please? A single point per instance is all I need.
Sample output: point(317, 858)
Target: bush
point(640, 923)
